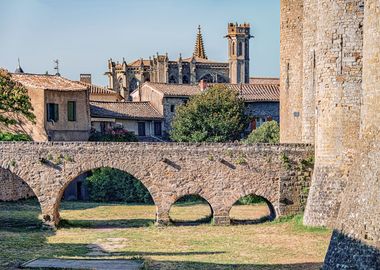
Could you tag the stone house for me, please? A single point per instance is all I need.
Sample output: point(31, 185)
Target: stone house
point(99, 93)
point(61, 107)
point(261, 99)
point(141, 118)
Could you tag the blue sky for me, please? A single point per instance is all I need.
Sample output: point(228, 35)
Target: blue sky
point(83, 34)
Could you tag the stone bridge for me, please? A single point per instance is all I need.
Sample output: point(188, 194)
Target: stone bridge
point(220, 173)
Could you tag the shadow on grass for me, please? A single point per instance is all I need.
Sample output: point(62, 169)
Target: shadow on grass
point(169, 265)
point(104, 224)
point(83, 205)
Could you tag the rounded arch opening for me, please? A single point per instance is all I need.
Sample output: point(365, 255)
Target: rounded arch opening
point(252, 209)
point(19, 205)
point(106, 197)
point(191, 209)
point(207, 78)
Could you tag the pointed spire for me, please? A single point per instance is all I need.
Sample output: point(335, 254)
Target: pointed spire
point(19, 69)
point(199, 50)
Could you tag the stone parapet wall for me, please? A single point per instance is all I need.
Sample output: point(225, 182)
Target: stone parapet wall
point(220, 173)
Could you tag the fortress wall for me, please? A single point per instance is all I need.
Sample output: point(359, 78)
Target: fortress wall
point(356, 240)
point(338, 89)
point(291, 75)
point(309, 70)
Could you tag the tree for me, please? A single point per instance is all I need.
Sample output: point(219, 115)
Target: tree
point(216, 115)
point(14, 100)
point(269, 132)
point(108, 184)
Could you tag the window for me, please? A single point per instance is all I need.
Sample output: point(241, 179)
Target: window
point(157, 129)
point(172, 108)
point(240, 49)
point(52, 112)
point(141, 128)
point(72, 111)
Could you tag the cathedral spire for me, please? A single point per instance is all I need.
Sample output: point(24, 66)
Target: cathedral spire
point(199, 49)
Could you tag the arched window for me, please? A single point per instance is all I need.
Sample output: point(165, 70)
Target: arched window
point(221, 79)
point(133, 84)
point(240, 49)
point(172, 79)
point(207, 78)
point(233, 48)
point(185, 79)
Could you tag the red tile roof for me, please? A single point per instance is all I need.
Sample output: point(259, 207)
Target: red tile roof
point(124, 110)
point(257, 80)
point(47, 82)
point(98, 90)
point(249, 92)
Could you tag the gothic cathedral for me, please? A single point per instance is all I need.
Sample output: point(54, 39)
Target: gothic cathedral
point(125, 78)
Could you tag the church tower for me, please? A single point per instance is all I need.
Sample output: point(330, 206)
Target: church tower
point(238, 52)
point(199, 49)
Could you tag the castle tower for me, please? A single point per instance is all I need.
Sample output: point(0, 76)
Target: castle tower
point(117, 78)
point(309, 71)
point(356, 238)
point(339, 40)
point(199, 49)
point(291, 70)
point(238, 52)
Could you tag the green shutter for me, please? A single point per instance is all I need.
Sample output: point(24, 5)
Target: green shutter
point(71, 111)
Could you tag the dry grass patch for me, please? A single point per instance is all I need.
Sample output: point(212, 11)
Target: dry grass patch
point(284, 244)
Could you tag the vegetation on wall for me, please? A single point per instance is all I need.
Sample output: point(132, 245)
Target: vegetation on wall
point(6, 136)
point(114, 135)
point(216, 115)
point(14, 99)
point(107, 184)
point(269, 132)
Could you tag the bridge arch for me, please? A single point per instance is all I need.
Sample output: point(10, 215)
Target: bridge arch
point(121, 166)
point(271, 212)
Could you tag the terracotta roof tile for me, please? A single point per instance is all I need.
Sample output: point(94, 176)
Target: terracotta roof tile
point(257, 80)
point(177, 90)
point(98, 90)
point(137, 63)
point(257, 92)
point(249, 92)
point(47, 82)
point(124, 110)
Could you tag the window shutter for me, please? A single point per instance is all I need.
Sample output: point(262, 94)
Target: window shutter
point(253, 124)
point(56, 118)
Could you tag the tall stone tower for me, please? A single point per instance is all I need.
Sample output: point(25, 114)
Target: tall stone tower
point(339, 40)
point(355, 243)
point(291, 69)
point(309, 70)
point(238, 52)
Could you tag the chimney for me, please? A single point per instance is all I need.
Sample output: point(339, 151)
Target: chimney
point(85, 78)
point(202, 85)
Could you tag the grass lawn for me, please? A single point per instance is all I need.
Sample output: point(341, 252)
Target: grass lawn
point(100, 230)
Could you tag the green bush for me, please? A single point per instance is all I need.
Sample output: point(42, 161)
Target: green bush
point(107, 184)
point(269, 132)
point(216, 115)
point(114, 135)
point(250, 199)
point(6, 136)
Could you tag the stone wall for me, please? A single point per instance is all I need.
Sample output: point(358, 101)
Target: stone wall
point(309, 71)
point(13, 188)
point(220, 173)
point(291, 75)
point(339, 75)
point(356, 241)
